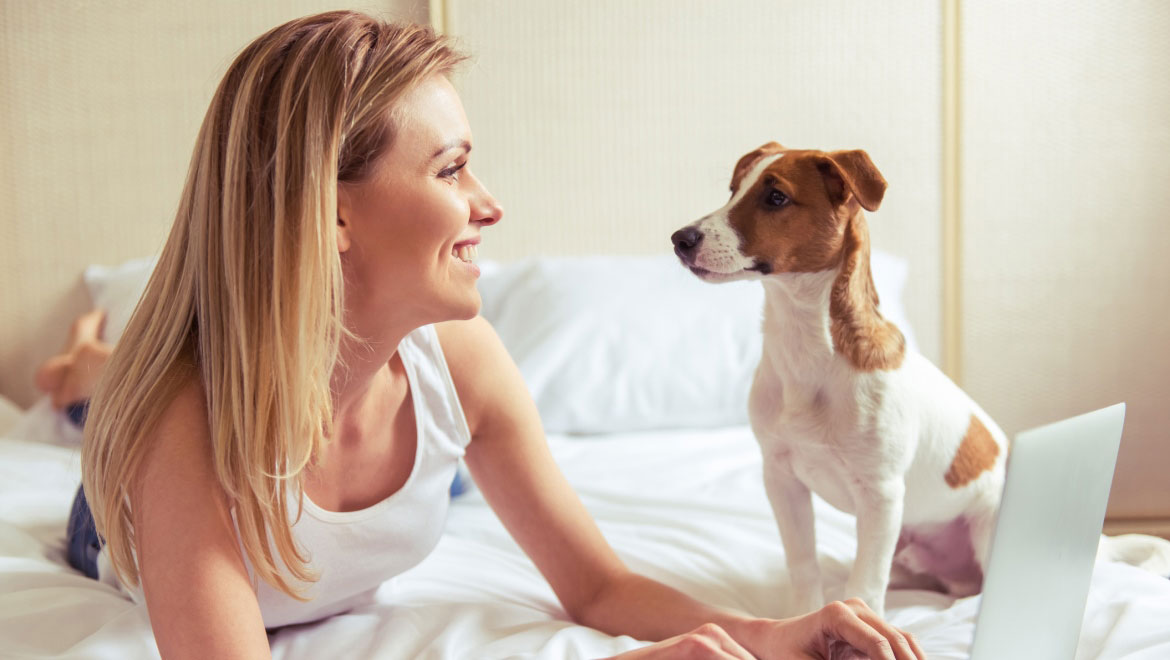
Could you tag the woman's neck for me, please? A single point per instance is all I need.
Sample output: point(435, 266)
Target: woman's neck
point(360, 359)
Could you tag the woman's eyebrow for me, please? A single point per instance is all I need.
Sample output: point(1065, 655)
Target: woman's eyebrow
point(453, 144)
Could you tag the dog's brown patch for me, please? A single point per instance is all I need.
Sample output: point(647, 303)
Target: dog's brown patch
point(804, 235)
point(977, 453)
point(860, 333)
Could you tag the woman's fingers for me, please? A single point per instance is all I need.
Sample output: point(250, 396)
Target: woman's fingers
point(902, 642)
point(841, 622)
point(707, 642)
point(725, 642)
point(861, 627)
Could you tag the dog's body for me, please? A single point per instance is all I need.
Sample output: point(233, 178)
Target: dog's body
point(839, 405)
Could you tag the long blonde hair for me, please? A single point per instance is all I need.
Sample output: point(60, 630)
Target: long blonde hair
point(247, 294)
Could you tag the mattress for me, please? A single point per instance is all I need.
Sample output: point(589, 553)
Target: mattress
point(685, 507)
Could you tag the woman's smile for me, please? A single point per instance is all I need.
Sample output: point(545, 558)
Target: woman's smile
point(415, 222)
point(465, 254)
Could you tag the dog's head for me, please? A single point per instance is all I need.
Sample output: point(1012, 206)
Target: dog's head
point(788, 212)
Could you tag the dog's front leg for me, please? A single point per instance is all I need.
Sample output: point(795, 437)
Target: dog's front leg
point(792, 504)
point(879, 521)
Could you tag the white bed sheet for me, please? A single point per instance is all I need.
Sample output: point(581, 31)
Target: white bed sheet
point(684, 507)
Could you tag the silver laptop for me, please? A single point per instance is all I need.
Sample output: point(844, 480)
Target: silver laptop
point(1045, 542)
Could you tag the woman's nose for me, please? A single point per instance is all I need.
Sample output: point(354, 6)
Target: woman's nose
point(486, 210)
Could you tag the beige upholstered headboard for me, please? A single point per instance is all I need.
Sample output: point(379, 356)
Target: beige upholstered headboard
point(1024, 144)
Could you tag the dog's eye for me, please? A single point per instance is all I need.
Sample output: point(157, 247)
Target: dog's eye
point(776, 198)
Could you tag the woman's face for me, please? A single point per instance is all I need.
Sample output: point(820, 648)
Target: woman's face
point(408, 232)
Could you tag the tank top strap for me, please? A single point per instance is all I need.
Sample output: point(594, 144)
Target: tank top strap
point(439, 414)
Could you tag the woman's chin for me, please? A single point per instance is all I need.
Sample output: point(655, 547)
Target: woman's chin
point(466, 308)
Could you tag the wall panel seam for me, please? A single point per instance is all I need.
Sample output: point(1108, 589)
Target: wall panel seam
point(438, 15)
point(951, 192)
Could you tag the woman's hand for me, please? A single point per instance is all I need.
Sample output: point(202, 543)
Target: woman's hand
point(842, 630)
point(838, 631)
point(706, 641)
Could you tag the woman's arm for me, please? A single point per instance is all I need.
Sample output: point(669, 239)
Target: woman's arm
point(197, 590)
point(514, 469)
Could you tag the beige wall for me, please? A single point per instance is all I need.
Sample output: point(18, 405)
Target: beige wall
point(1066, 287)
point(605, 125)
point(100, 103)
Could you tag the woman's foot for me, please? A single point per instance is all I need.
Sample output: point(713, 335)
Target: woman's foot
point(71, 376)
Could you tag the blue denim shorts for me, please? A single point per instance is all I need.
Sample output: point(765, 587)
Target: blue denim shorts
point(81, 537)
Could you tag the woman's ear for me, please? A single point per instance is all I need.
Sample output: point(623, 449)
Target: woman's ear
point(342, 234)
point(343, 207)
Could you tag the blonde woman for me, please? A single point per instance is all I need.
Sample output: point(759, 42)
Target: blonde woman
point(307, 366)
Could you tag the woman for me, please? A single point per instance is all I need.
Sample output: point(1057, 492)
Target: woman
point(307, 365)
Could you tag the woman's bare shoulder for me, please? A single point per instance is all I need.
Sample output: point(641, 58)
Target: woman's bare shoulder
point(185, 415)
point(487, 380)
point(466, 340)
point(179, 440)
point(473, 350)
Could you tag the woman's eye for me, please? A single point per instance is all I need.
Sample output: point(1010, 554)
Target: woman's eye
point(452, 172)
point(776, 198)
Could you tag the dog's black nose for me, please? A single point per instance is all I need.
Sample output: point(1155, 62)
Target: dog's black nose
point(685, 241)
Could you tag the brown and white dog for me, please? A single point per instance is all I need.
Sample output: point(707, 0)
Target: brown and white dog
point(839, 406)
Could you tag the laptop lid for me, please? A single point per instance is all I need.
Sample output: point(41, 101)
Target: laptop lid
point(1045, 541)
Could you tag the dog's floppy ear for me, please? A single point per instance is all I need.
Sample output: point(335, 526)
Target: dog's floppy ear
point(748, 160)
point(852, 172)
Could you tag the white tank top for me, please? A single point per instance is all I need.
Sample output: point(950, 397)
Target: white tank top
point(354, 552)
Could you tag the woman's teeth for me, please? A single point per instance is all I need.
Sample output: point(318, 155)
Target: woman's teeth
point(465, 253)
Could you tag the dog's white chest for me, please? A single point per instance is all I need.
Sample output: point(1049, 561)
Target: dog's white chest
point(814, 438)
point(823, 471)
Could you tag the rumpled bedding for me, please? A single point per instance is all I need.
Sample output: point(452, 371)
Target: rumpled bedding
point(685, 507)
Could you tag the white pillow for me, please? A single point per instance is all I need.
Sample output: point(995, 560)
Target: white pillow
point(611, 344)
point(605, 344)
point(41, 423)
point(9, 414)
point(117, 289)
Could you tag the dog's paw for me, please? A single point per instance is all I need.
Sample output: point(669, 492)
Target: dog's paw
point(807, 600)
point(874, 601)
